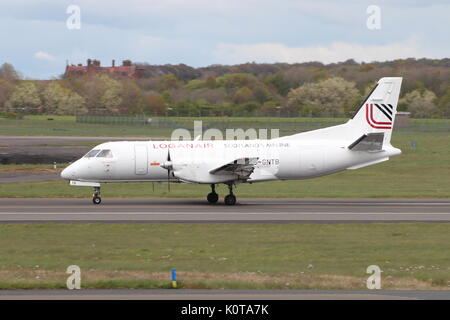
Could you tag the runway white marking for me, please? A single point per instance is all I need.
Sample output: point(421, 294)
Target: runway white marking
point(249, 210)
point(378, 204)
point(221, 213)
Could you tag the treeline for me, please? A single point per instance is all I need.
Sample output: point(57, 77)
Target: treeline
point(306, 89)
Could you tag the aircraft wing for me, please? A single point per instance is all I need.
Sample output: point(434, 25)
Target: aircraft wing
point(242, 167)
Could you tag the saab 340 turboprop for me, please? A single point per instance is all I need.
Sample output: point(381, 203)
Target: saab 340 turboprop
point(363, 140)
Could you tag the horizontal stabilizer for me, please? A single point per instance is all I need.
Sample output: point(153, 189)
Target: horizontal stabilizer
point(366, 164)
point(368, 142)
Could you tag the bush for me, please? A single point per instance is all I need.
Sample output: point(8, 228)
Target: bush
point(11, 115)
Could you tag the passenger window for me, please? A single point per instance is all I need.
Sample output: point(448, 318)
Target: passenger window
point(92, 153)
point(105, 154)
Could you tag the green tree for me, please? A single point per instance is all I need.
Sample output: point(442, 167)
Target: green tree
point(243, 95)
point(72, 104)
point(421, 103)
point(167, 97)
point(63, 101)
point(25, 95)
point(261, 94)
point(236, 80)
point(91, 89)
point(6, 90)
point(169, 81)
point(444, 104)
point(247, 108)
point(332, 97)
point(99, 91)
point(278, 82)
point(186, 108)
point(132, 97)
point(8, 72)
point(271, 108)
point(154, 104)
point(111, 98)
point(52, 96)
point(211, 82)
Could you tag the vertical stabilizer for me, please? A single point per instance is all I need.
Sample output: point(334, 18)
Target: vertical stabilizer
point(377, 113)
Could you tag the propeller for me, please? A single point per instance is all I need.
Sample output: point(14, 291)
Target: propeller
point(168, 165)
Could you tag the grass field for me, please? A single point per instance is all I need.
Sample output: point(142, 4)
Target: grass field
point(66, 126)
point(160, 127)
point(163, 127)
point(237, 256)
point(287, 256)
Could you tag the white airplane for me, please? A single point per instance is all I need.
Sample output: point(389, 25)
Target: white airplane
point(362, 141)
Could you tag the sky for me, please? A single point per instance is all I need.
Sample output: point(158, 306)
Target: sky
point(36, 39)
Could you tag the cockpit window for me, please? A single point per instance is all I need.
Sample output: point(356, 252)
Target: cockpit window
point(105, 154)
point(92, 153)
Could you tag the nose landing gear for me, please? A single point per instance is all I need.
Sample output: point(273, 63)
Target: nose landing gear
point(96, 196)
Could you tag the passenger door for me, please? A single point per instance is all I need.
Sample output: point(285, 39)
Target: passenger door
point(141, 159)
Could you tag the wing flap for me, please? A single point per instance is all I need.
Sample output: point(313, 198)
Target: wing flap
point(243, 167)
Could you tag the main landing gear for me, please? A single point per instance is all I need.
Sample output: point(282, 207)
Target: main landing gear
point(213, 197)
point(96, 196)
point(230, 200)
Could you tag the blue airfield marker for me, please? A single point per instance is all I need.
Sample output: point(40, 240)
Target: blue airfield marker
point(174, 278)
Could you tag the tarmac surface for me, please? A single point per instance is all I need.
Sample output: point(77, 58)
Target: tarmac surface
point(247, 210)
point(187, 294)
point(49, 149)
point(28, 176)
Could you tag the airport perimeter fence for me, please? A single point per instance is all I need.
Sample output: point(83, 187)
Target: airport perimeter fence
point(138, 120)
point(285, 125)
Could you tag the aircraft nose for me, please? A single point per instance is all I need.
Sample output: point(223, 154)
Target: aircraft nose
point(68, 173)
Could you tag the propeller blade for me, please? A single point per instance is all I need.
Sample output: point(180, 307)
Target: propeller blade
point(168, 180)
point(168, 170)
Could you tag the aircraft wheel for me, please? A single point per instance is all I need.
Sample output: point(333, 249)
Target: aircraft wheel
point(212, 197)
point(96, 200)
point(230, 200)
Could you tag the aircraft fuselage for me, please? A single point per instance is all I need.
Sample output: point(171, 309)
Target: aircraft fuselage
point(277, 159)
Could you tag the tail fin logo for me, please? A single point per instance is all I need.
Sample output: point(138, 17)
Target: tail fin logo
point(386, 110)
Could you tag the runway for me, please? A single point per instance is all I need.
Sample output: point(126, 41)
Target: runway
point(259, 295)
point(247, 210)
point(13, 177)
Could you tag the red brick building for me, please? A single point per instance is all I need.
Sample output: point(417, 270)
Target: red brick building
point(127, 69)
